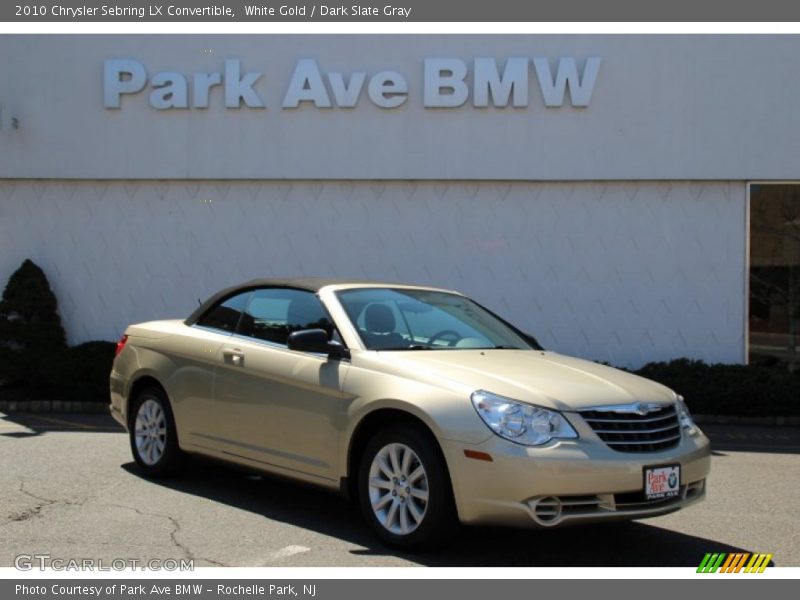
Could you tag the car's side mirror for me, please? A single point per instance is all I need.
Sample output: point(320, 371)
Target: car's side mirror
point(315, 340)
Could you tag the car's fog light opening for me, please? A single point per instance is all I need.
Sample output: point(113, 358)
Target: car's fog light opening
point(547, 511)
point(693, 490)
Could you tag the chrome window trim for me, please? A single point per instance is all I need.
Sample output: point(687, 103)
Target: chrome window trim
point(212, 329)
point(277, 346)
point(267, 343)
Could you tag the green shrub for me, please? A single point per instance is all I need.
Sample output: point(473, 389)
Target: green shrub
point(35, 362)
point(81, 372)
point(740, 390)
point(30, 328)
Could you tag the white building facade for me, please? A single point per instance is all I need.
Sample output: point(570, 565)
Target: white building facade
point(593, 190)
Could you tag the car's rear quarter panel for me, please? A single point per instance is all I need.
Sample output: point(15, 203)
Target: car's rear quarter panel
point(172, 354)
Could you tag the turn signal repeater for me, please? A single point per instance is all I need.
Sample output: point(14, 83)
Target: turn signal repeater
point(478, 455)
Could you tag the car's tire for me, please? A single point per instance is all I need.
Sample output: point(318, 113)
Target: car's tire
point(417, 510)
point(153, 437)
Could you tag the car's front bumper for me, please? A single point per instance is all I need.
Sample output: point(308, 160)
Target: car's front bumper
point(568, 481)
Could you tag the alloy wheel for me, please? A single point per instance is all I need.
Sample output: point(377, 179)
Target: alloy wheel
point(150, 432)
point(398, 488)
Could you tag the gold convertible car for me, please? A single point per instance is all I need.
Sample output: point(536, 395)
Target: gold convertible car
point(424, 406)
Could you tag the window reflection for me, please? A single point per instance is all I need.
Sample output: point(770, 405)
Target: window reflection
point(273, 313)
point(775, 275)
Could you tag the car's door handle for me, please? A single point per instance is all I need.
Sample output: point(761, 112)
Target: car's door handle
point(233, 356)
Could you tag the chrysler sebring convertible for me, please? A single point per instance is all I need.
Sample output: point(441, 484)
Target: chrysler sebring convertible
point(418, 403)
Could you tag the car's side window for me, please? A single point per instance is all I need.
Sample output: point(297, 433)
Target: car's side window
point(273, 313)
point(225, 315)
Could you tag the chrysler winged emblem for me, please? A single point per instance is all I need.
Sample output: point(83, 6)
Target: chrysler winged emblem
point(642, 409)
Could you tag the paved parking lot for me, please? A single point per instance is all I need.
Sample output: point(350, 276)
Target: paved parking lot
point(68, 488)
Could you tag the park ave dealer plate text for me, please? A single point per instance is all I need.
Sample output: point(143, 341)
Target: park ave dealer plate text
point(662, 482)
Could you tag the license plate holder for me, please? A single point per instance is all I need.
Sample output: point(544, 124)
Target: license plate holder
point(661, 481)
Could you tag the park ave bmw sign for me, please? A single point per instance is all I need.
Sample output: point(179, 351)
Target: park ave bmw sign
point(447, 83)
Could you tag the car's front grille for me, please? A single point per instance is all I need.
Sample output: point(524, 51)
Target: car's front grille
point(629, 431)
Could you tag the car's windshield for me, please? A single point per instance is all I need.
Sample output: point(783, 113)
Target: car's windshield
point(411, 319)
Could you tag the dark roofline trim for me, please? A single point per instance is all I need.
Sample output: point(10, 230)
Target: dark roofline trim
point(306, 284)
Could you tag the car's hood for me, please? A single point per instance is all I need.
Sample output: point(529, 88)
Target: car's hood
point(544, 378)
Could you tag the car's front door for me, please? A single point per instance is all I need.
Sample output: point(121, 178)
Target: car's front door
point(194, 361)
point(280, 408)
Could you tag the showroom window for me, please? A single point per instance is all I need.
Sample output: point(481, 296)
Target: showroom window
point(775, 275)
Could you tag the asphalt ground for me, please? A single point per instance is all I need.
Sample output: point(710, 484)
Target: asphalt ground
point(69, 489)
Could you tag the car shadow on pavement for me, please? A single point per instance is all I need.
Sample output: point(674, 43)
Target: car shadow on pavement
point(23, 425)
point(626, 544)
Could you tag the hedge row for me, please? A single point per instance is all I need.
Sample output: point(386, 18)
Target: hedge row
point(77, 373)
point(736, 390)
point(81, 373)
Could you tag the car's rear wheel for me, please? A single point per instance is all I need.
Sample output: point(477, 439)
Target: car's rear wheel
point(154, 442)
point(404, 489)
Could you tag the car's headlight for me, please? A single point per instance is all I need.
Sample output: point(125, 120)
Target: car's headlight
point(519, 422)
point(685, 417)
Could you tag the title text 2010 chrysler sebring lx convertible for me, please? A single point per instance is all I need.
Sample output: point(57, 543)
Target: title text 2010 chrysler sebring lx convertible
point(420, 403)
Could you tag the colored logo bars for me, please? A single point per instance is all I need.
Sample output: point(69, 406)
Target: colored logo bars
point(734, 563)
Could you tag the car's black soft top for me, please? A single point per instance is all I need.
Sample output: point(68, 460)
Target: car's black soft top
point(314, 284)
point(311, 284)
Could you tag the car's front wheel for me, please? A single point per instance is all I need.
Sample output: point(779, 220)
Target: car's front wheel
point(404, 489)
point(154, 442)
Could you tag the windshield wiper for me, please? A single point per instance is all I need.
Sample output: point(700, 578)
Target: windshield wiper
point(417, 347)
point(422, 347)
point(398, 348)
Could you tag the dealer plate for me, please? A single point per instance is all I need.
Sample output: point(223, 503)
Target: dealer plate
point(662, 481)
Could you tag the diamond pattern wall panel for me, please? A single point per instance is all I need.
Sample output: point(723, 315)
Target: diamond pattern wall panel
point(621, 272)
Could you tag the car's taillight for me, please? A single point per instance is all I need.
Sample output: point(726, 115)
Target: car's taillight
point(121, 344)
